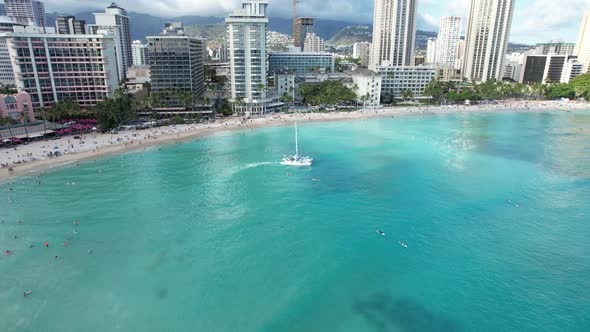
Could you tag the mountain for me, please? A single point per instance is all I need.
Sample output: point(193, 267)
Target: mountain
point(143, 25)
point(363, 33)
point(351, 34)
point(212, 28)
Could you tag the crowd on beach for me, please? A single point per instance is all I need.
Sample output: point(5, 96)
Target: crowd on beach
point(91, 144)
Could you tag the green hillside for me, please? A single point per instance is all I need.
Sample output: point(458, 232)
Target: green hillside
point(350, 35)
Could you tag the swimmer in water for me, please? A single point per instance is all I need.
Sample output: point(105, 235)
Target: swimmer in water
point(8, 253)
point(90, 251)
point(27, 293)
point(56, 257)
point(65, 244)
point(76, 222)
point(46, 244)
point(380, 232)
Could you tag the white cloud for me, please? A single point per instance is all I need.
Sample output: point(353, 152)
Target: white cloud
point(543, 20)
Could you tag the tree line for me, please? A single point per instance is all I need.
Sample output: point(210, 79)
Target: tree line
point(578, 87)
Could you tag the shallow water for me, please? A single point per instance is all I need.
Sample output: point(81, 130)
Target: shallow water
point(215, 235)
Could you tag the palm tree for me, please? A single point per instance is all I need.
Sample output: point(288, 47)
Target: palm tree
point(365, 98)
point(24, 118)
point(239, 101)
point(148, 87)
point(7, 121)
point(407, 94)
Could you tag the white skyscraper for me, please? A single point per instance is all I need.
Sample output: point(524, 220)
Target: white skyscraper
point(583, 44)
point(30, 12)
point(394, 33)
point(449, 34)
point(246, 38)
point(313, 43)
point(486, 42)
point(116, 21)
point(139, 53)
point(460, 56)
point(431, 51)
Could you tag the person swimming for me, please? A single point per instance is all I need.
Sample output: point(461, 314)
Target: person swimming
point(76, 222)
point(8, 253)
point(46, 244)
point(512, 203)
point(27, 293)
point(380, 232)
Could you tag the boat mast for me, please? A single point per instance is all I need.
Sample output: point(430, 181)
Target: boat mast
point(296, 142)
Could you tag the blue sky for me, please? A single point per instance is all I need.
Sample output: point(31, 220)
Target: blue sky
point(534, 20)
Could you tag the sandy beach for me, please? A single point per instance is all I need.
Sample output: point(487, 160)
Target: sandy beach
point(36, 156)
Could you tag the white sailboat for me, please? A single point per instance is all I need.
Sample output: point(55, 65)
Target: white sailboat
point(296, 159)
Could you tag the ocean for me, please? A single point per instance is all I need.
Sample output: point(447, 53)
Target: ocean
point(215, 235)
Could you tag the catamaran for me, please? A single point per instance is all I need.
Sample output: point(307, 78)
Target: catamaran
point(296, 159)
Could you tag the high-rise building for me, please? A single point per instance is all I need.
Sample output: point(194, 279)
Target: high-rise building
point(303, 26)
point(362, 51)
point(313, 43)
point(29, 12)
point(488, 29)
point(449, 34)
point(2, 9)
point(460, 56)
point(400, 79)
point(81, 68)
point(246, 39)
point(139, 53)
point(571, 69)
point(176, 63)
point(555, 48)
point(548, 68)
point(583, 43)
point(6, 72)
point(394, 33)
point(431, 50)
point(116, 22)
point(69, 25)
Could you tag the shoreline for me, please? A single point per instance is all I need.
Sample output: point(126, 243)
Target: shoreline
point(35, 160)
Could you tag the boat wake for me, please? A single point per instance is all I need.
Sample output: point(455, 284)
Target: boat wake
point(252, 165)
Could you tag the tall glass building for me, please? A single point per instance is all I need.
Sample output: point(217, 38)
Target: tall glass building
point(176, 63)
point(246, 38)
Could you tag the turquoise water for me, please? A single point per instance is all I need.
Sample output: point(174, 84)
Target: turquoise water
point(213, 235)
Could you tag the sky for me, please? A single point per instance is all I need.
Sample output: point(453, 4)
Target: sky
point(533, 21)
